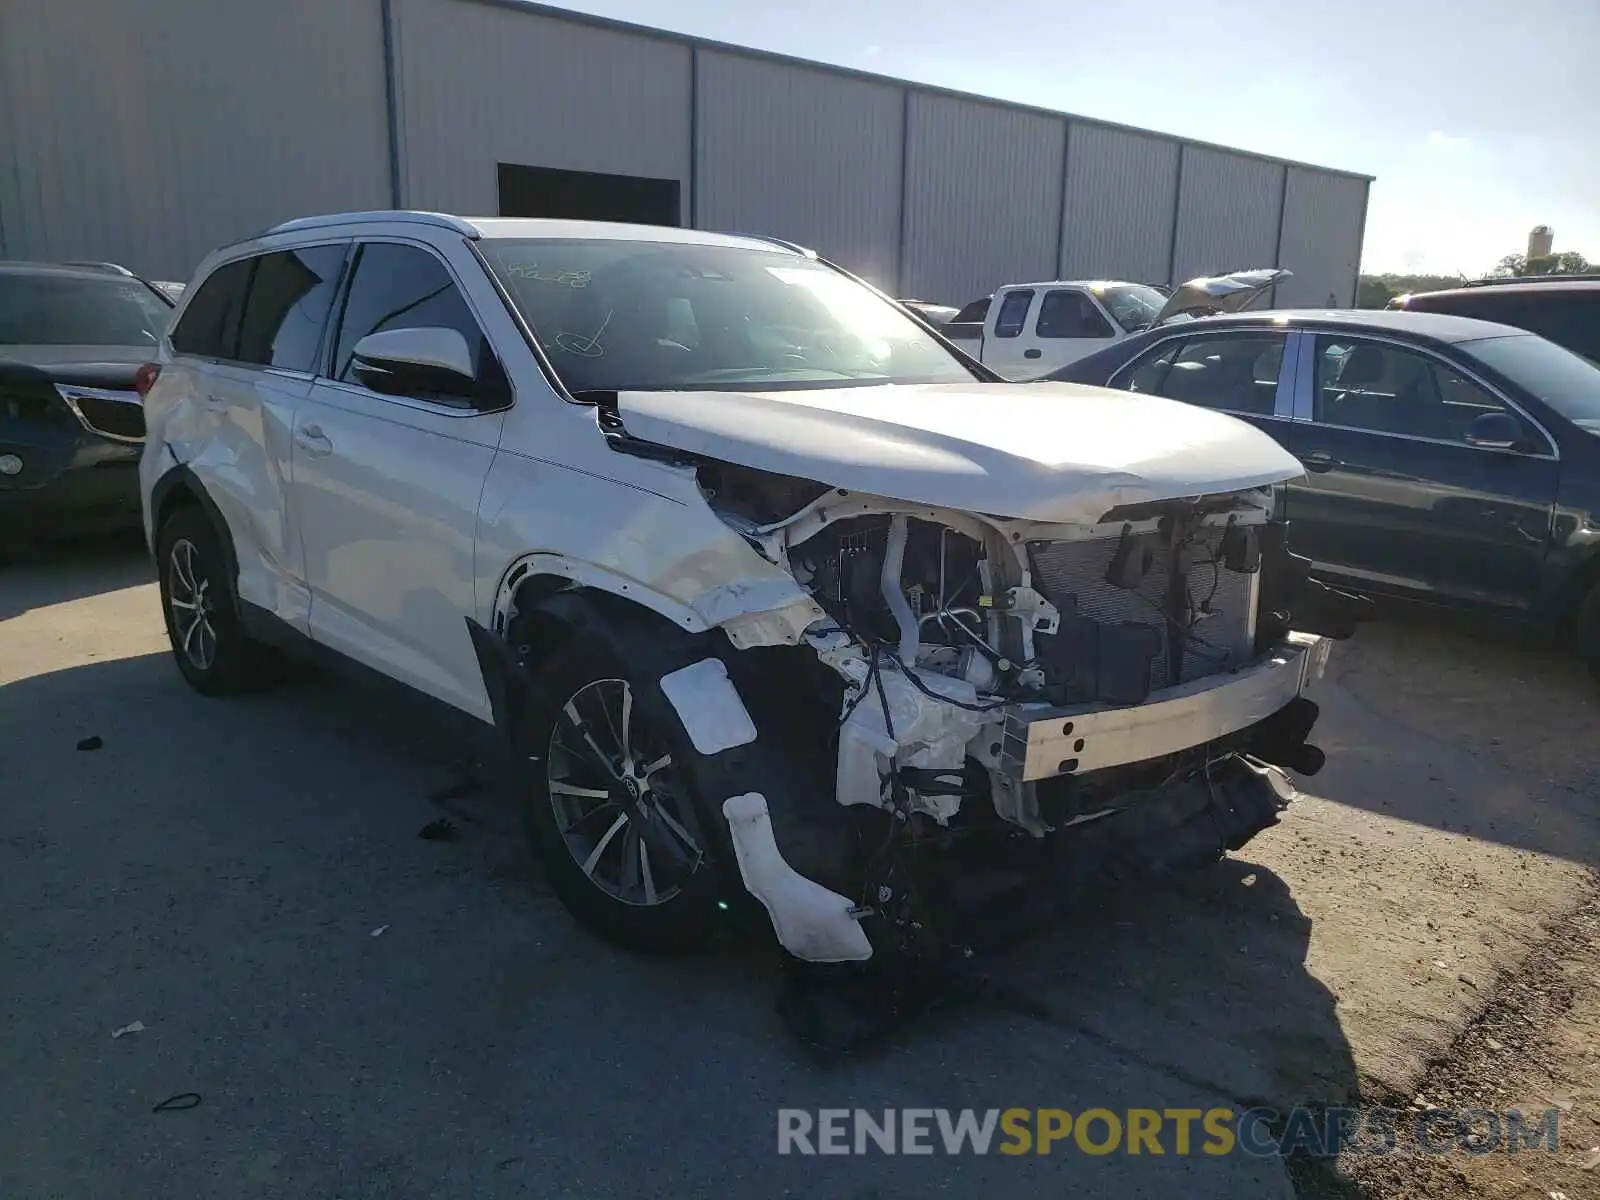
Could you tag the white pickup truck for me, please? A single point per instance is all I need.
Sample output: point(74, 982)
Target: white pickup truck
point(1027, 330)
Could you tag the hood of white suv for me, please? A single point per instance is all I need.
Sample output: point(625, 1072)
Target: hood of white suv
point(1037, 451)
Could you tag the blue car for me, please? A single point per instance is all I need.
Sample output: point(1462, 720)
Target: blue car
point(1447, 459)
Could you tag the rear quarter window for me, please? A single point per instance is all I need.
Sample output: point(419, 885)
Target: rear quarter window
point(209, 326)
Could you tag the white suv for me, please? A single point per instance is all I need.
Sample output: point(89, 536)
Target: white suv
point(771, 590)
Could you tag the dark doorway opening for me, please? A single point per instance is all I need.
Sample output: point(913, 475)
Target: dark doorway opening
point(587, 196)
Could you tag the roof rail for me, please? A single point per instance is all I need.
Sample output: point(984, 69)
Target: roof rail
point(1513, 280)
point(405, 216)
point(113, 268)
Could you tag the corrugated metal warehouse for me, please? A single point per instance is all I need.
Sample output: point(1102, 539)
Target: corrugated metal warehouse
point(150, 133)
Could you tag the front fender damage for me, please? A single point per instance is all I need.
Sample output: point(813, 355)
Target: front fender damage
point(863, 719)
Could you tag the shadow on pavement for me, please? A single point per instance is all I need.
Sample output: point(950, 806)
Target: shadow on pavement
point(366, 1010)
point(1465, 727)
point(63, 572)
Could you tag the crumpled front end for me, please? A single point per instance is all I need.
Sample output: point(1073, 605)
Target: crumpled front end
point(1022, 708)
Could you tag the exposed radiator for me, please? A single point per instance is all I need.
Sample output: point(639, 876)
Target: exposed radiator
point(1066, 570)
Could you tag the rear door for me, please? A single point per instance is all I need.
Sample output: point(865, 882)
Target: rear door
point(1247, 373)
point(1395, 497)
point(386, 486)
point(245, 349)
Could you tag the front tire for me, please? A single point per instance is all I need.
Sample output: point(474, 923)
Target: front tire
point(212, 650)
point(610, 805)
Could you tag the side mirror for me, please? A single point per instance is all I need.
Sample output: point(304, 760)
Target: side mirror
point(1495, 431)
point(428, 360)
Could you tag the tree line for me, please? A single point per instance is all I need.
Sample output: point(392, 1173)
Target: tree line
point(1375, 291)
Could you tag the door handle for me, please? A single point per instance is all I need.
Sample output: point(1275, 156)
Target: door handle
point(312, 440)
point(1320, 461)
point(1033, 354)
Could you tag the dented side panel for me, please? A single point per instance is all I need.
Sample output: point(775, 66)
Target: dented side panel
point(642, 529)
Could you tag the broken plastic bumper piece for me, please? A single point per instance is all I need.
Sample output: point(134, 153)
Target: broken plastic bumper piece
point(1041, 741)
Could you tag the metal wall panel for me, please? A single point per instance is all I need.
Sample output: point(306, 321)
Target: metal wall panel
point(1322, 221)
point(1227, 213)
point(480, 85)
point(1121, 199)
point(803, 155)
point(151, 133)
point(982, 197)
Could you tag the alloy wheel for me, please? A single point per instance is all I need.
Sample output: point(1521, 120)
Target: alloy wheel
point(619, 803)
point(189, 597)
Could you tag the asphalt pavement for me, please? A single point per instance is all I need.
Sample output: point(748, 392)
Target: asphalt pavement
point(363, 1012)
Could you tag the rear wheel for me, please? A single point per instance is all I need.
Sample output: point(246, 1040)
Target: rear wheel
point(610, 805)
point(197, 600)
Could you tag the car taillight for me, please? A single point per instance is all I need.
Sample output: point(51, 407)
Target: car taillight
point(145, 378)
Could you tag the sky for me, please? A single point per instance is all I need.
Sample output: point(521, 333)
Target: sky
point(1479, 119)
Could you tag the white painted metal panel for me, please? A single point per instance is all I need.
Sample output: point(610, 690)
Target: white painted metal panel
point(481, 85)
point(1122, 191)
point(982, 197)
point(151, 133)
point(1322, 222)
point(808, 156)
point(1227, 213)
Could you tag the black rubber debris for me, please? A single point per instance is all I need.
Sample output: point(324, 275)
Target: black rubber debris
point(90, 743)
point(442, 830)
point(178, 1103)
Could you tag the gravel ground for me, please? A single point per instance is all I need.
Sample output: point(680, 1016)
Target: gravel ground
point(363, 1012)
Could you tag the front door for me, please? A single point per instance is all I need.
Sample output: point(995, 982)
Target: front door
point(1395, 497)
point(1070, 326)
point(386, 488)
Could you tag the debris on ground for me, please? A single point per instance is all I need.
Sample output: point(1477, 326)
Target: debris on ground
point(131, 1027)
point(379, 931)
point(179, 1103)
point(90, 743)
point(441, 830)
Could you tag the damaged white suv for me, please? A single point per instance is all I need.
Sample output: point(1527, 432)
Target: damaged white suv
point(771, 590)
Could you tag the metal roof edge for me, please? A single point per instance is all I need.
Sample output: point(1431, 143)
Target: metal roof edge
point(694, 42)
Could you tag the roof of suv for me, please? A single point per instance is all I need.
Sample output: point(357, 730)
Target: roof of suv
point(531, 227)
point(77, 270)
point(1488, 288)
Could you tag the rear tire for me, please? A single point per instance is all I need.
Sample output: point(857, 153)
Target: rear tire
point(212, 650)
point(592, 784)
point(1587, 628)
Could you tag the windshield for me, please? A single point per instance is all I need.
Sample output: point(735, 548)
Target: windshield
point(71, 310)
point(1565, 381)
point(619, 315)
point(1132, 305)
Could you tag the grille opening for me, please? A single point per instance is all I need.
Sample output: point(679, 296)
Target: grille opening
point(123, 419)
point(1072, 575)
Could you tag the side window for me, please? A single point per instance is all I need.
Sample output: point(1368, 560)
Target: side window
point(1147, 374)
point(209, 326)
point(1065, 314)
point(1233, 372)
point(1013, 314)
point(1388, 389)
point(404, 287)
point(288, 303)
